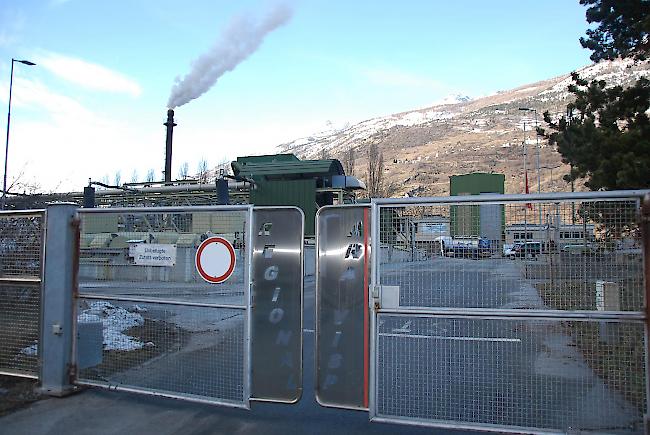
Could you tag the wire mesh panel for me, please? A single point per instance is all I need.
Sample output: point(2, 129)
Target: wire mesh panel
point(19, 328)
point(191, 352)
point(514, 255)
point(154, 315)
point(510, 313)
point(532, 375)
point(21, 245)
point(152, 254)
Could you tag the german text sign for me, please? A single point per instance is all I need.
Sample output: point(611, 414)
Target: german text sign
point(153, 254)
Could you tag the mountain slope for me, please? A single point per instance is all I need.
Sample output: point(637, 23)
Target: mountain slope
point(423, 147)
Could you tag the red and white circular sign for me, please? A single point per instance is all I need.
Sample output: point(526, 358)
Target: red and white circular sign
point(215, 259)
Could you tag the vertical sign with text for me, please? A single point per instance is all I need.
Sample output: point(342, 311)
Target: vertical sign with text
point(342, 277)
point(277, 271)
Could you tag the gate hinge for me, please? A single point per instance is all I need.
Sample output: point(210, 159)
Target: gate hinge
point(72, 373)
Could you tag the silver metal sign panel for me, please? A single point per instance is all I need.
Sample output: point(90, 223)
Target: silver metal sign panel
point(342, 276)
point(277, 270)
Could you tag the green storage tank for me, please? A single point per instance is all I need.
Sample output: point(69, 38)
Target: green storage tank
point(486, 221)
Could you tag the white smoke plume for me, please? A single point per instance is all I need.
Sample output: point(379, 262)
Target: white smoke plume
point(241, 38)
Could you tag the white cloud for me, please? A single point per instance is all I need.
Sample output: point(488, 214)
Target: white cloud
point(89, 75)
point(59, 143)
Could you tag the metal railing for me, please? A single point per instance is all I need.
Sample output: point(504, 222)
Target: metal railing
point(510, 312)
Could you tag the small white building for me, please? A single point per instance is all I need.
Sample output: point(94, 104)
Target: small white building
point(565, 234)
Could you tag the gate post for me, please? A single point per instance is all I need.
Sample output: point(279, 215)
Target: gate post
point(57, 322)
point(645, 232)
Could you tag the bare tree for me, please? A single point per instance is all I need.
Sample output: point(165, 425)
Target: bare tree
point(375, 171)
point(348, 160)
point(134, 176)
point(117, 178)
point(19, 183)
point(105, 179)
point(150, 176)
point(184, 171)
point(203, 172)
point(324, 153)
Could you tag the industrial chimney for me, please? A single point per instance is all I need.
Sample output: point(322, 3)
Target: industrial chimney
point(168, 145)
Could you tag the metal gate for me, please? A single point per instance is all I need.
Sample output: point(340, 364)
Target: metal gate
point(21, 252)
point(198, 303)
point(539, 329)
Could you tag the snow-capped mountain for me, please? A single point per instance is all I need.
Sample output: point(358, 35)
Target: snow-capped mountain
point(458, 134)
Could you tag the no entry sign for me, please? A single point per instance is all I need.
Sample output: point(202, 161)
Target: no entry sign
point(215, 259)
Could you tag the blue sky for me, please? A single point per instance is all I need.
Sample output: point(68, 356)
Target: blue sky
point(95, 103)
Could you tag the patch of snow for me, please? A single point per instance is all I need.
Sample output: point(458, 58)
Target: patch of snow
point(137, 309)
point(114, 320)
point(453, 99)
point(30, 350)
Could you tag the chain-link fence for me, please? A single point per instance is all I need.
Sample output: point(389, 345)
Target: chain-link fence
point(548, 300)
point(147, 319)
point(21, 245)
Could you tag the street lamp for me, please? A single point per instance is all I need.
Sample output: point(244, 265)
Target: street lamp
point(11, 80)
point(528, 109)
point(539, 183)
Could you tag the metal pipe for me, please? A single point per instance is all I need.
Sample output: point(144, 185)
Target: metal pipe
point(170, 124)
point(612, 195)
point(4, 182)
point(200, 187)
point(151, 210)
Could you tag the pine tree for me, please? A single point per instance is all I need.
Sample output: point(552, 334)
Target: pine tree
point(605, 135)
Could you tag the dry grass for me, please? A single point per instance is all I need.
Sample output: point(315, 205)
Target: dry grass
point(614, 351)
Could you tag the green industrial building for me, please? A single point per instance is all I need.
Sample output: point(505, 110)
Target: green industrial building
point(473, 220)
point(284, 179)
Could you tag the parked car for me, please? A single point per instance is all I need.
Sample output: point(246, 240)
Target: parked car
point(467, 247)
point(523, 250)
point(580, 248)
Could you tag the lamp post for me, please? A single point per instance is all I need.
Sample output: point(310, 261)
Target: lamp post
point(528, 109)
point(539, 182)
point(11, 82)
